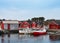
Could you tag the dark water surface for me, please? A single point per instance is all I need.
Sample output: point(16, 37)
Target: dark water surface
point(16, 38)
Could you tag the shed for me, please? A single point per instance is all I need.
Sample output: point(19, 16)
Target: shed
point(53, 25)
point(10, 24)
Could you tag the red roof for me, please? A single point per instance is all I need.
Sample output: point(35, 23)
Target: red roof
point(53, 22)
point(25, 24)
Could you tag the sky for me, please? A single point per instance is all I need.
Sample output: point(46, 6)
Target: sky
point(27, 9)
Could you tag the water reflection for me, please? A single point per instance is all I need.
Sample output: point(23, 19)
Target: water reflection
point(9, 38)
point(16, 38)
point(54, 37)
point(25, 37)
point(33, 39)
point(3, 38)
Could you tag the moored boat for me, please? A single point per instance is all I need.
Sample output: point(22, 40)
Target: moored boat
point(25, 31)
point(41, 31)
point(34, 30)
point(24, 28)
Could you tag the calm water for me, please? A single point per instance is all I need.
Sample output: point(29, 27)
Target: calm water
point(16, 38)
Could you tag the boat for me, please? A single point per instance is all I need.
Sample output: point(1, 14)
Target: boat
point(24, 28)
point(37, 32)
point(25, 31)
point(34, 30)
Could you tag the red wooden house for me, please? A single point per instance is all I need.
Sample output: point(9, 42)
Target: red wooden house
point(33, 25)
point(25, 24)
point(54, 25)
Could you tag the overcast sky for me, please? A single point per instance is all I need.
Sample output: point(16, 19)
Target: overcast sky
point(25, 9)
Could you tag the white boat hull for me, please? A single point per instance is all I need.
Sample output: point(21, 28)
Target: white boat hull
point(25, 31)
point(33, 31)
